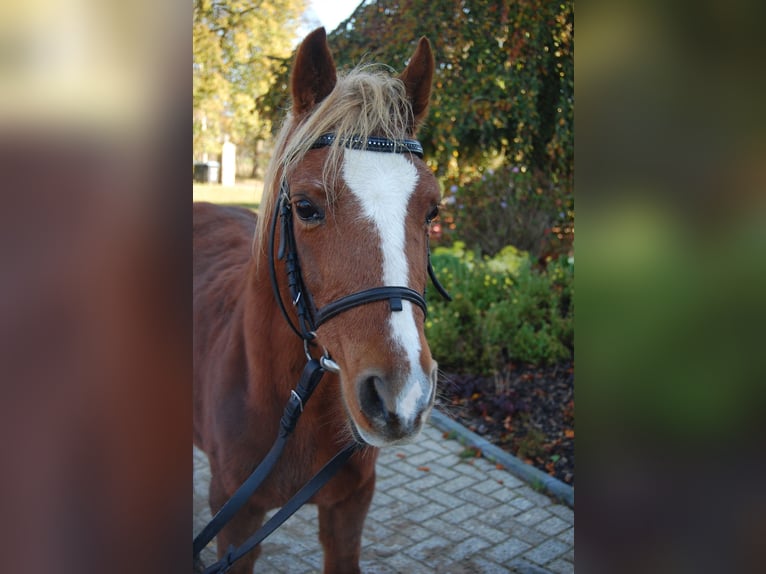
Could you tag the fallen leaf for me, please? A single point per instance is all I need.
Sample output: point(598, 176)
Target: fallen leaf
point(424, 468)
point(401, 455)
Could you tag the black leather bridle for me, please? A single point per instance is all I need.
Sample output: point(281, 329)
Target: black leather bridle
point(309, 316)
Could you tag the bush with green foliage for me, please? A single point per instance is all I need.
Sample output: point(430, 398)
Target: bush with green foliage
point(504, 309)
point(506, 206)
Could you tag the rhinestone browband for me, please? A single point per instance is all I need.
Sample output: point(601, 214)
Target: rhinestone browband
point(373, 143)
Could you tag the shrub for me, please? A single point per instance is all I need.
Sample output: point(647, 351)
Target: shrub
point(503, 309)
point(507, 206)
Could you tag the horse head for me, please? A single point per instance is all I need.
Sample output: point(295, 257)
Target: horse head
point(359, 215)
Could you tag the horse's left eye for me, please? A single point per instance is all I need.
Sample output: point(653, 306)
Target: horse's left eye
point(307, 211)
point(433, 214)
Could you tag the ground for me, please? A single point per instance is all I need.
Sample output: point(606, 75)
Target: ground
point(527, 411)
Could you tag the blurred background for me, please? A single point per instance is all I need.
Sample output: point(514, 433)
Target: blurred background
point(94, 291)
point(670, 189)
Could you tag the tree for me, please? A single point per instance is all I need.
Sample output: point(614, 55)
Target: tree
point(238, 45)
point(503, 89)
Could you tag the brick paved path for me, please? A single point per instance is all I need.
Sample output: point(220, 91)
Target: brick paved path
point(454, 518)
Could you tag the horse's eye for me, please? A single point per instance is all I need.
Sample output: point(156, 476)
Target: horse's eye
point(307, 211)
point(434, 213)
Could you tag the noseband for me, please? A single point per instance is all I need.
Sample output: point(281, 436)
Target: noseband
point(309, 316)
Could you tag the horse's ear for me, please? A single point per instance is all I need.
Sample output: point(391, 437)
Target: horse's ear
point(417, 78)
point(313, 72)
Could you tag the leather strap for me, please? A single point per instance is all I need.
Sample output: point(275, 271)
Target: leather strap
point(372, 143)
point(393, 294)
point(312, 374)
point(298, 500)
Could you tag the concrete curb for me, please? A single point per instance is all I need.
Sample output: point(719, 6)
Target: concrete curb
point(526, 472)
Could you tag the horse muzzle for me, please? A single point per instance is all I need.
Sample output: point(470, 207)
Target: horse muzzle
point(392, 410)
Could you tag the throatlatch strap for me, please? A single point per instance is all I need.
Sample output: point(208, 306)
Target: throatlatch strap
point(312, 374)
point(300, 498)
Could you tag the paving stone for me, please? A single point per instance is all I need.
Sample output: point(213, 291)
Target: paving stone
point(383, 471)
point(467, 548)
point(521, 566)
point(424, 458)
point(561, 567)
point(505, 494)
point(500, 516)
point(428, 481)
point(563, 512)
point(481, 565)
point(504, 552)
point(314, 559)
point(441, 470)
point(505, 478)
point(522, 503)
point(526, 533)
point(567, 536)
point(381, 499)
point(480, 528)
point(281, 562)
point(404, 564)
point(546, 551)
point(532, 516)
point(405, 495)
point(452, 532)
point(489, 486)
point(458, 483)
point(410, 533)
point(552, 526)
point(376, 567)
point(474, 469)
point(460, 514)
point(439, 496)
point(425, 512)
point(430, 549)
point(537, 498)
point(374, 530)
point(471, 496)
point(391, 482)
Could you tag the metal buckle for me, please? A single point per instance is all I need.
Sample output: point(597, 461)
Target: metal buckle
point(328, 364)
point(298, 398)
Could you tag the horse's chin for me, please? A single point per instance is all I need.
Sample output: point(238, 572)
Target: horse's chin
point(374, 439)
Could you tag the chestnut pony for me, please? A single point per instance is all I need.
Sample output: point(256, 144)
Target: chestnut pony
point(360, 220)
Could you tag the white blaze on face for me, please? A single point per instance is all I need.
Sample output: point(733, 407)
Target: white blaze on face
point(383, 184)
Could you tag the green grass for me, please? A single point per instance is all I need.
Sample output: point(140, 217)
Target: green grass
point(245, 193)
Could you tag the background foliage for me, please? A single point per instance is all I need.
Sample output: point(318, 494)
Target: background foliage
point(503, 94)
point(503, 309)
point(238, 47)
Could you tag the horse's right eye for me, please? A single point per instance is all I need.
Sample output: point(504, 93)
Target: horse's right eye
point(307, 211)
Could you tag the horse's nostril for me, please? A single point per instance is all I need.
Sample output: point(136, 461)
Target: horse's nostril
point(370, 397)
